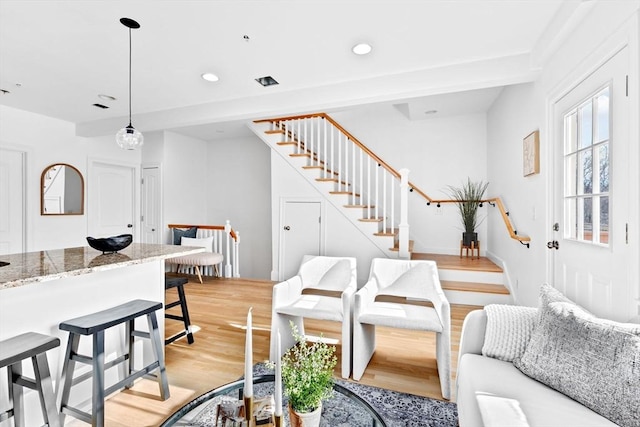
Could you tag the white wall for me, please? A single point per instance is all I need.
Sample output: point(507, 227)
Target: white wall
point(47, 140)
point(438, 152)
point(520, 110)
point(185, 181)
point(238, 186)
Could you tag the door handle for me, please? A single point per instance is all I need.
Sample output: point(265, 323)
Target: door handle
point(153, 229)
point(287, 228)
point(553, 245)
point(129, 225)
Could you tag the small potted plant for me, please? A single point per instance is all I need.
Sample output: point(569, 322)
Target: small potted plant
point(469, 198)
point(307, 376)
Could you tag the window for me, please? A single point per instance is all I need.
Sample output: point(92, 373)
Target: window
point(587, 170)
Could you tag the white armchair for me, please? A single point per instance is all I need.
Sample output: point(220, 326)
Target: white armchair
point(396, 295)
point(323, 289)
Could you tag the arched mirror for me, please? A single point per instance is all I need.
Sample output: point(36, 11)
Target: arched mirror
point(61, 190)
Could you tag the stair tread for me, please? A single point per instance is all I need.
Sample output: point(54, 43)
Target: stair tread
point(359, 206)
point(455, 262)
point(370, 219)
point(336, 180)
point(300, 155)
point(396, 248)
point(487, 288)
point(287, 143)
point(350, 193)
point(271, 132)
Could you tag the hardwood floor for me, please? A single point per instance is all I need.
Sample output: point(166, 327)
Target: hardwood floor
point(403, 361)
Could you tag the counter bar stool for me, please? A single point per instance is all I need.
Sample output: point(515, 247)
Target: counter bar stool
point(95, 325)
point(178, 282)
point(13, 351)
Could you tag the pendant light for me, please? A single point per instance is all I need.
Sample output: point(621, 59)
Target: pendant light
point(128, 138)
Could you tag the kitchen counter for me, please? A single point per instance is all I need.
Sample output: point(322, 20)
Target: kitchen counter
point(42, 266)
point(39, 290)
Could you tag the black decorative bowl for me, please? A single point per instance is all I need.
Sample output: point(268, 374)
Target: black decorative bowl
point(110, 244)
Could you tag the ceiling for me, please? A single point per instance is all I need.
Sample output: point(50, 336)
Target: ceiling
point(56, 57)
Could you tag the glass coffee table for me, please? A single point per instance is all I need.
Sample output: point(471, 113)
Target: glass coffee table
point(344, 409)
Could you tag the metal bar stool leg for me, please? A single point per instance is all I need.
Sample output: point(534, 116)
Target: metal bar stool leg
point(63, 388)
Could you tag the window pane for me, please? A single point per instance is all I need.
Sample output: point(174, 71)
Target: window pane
point(570, 213)
point(570, 180)
point(570, 134)
point(604, 219)
point(587, 215)
point(603, 166)
point(586, 124)
point(586, 172)
point(602, 123)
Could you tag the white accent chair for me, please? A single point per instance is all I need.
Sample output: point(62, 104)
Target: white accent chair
point(323, 289)
point(396, 295)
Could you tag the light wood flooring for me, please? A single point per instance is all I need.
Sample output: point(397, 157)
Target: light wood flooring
point(403, 361)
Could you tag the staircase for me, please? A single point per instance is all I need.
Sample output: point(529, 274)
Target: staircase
point(373, 196)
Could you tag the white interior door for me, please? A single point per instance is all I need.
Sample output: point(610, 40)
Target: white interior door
point(299, 235)
point(111, 200)
point(151, 192)
point(591, 192)
point(12, 190)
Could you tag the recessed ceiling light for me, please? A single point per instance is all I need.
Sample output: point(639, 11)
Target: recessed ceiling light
point(267, 81)
point(210, 77)
point(431, 111)
point(106, 97)
point(361, 48)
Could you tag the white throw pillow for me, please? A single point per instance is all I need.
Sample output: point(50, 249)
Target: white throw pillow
point(508, 332)
point(337, 278)
point(205, 242)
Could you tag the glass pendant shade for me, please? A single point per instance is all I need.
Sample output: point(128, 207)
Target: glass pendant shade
point(129, 138)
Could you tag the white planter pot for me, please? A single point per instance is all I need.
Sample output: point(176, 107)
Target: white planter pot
point(305, 419)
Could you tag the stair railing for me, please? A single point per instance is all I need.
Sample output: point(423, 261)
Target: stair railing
point(323, 139)
point(368, 181)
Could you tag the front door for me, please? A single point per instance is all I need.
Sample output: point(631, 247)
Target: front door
point(12, 201)
point(591, 191)
point(299, 235)
point(111, 200)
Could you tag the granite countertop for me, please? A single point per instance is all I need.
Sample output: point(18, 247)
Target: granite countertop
point(41, 266)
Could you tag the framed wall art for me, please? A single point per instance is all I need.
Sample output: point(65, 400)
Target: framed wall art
point(531, 153)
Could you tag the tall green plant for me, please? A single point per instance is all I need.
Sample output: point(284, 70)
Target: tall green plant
point(469, 196)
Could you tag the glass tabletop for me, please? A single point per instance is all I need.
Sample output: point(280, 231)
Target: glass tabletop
point(344, 409)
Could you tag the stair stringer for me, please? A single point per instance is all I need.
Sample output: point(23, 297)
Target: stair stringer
point(383, 243)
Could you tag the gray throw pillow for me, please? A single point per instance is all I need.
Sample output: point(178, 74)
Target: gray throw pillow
point(179, 233)
point(594, 361)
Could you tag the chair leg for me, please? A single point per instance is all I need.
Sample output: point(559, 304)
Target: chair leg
point(364, 345)
point(130, 364)
point(199, 275)
point(45, 390)
point(158, 351)
point(63, 388)
point(16, 395)
point(443, 359)
point(185, 313)
point(97, 393)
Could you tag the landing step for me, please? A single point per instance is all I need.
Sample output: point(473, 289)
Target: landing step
point(486, 288)
point(455, 262)
point(397, 249)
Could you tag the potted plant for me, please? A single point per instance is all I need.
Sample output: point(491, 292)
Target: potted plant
point(469, 198)
point(307, 376)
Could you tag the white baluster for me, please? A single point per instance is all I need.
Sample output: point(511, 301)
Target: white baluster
point(361, 184)
point(236, 256)
point(325, 149)
point(403, 227)
point(392, 200)
point(369, 187)
point(353, 172)
point(227, 268)
point(332, 146)
point(384, 200)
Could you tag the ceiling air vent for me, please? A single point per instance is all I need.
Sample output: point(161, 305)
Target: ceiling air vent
point(267, 81)
point(104, 107)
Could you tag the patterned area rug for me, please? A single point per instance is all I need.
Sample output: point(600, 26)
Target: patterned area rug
point(397, 409)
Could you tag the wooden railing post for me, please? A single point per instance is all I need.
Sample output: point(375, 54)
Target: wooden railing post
point(403, 227)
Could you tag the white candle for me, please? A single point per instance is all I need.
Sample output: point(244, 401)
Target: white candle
point(248, 359)
point(278, 392)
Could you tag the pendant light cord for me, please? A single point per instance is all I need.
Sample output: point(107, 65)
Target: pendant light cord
point(130, 77)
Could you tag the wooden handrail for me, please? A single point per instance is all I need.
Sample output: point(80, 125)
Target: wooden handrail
point(496, 200)
point(232, 233)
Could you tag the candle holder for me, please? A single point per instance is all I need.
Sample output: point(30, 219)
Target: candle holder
point(278, 421)
point(248, 409)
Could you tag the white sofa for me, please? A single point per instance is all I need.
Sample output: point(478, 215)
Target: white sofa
point(492, 392)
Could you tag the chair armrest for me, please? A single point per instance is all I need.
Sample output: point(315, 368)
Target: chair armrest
point(286, 292)
point(366, 295)
point(472, 337)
